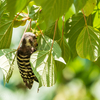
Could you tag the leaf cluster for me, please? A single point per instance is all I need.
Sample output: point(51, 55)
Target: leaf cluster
point(63, 34)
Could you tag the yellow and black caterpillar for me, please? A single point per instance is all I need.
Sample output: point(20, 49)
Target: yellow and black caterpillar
point(29, 44)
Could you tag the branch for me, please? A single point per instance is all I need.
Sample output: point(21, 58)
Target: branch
point(17, 15)
point(54, 33)
point(30, 24)
point(84, 18)
point(39, 28)
point(23, 35)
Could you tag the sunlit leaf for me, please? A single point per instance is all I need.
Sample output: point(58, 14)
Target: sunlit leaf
point(96, 22)
point(15, 6)
point(73, 27)
point(60, 63)
point(34, 12)
point(45, 43)
point(6, 34)
point(53, 9)
point(44, 67)
point(7, 63)
point(88, 43)
point(79, 4)
point(89, 7)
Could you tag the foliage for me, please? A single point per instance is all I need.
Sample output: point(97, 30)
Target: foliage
point(60, 40)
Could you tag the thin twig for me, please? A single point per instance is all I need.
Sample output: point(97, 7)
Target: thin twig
point(54, 33)
point(63, 26)
point(84, 18)
point(17, 15)
point(39, 28)
point(30, 24)
point(23, 35)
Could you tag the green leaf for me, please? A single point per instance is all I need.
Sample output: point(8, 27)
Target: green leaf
point(45, 44)
point(79, 4)
point(88, 43)
point(34, 12)
point(50, 32)
point(6, 34)
point(60, 63)
point(65, 49)
point(18, 23)
point(53, 9)
point(43, 65)
point(73, 27)
point(89, 7)
point(15, 6)
point(96, 22)
point(7, 63)
point(2, 8)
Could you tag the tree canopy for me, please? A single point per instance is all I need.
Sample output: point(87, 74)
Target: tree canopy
point(65, 29)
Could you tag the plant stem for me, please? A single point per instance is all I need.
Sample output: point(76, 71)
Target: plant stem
point(30, 24)
point(39, 28)
point(54, 33)
point(23, 35)
point(17, 15)
point(84, 18)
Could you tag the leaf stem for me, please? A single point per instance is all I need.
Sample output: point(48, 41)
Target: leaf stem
point(30, 24)
point(54, 33)
point(17, 15)
point(39, 28)
point(84, 18)
point(23, 34)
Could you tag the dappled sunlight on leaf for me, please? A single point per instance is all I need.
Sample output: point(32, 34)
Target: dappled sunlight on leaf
point(7, 63)
point(88, 43)
point(72, 28)
point(43, 65)
point(45, 44)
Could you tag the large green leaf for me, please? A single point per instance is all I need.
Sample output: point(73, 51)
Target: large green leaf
point(2, 8)
point(89, 7)
point(65, 49)
point(88, 43)
point(79, 4)
point(53, 9)
point(45, 44)
point(6, 34)
point(43, 65)
point(50, 32)
point(73, 27)
point(15, 6)
point(7, 63)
